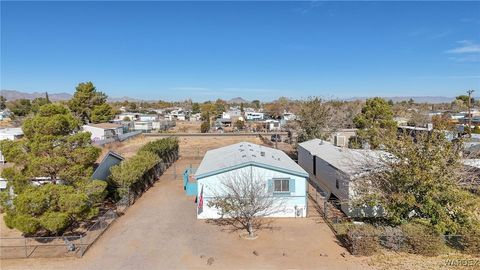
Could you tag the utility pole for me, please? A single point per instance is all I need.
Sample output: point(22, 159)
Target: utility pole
point(469, 92)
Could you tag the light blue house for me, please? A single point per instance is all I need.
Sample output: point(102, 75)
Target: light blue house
point(283, 179)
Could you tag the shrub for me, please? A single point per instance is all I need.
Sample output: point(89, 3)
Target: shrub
point(362, 240)
point(50, 207)
point(132, 170)
point(164, 148)
point(470, 240)
point(55, 222)
point(205, 127)
point(96, 190)
point(422, 239)
point(392, 238)
point(25, 223)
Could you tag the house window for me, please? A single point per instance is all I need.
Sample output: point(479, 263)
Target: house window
point(336, 183)
point(281, 185)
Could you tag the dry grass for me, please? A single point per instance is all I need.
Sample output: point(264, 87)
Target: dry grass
point(400, 261)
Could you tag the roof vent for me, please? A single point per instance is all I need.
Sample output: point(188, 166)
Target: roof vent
point(262, 154)
point(244, 156)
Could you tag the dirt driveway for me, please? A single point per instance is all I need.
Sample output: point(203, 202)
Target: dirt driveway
point(160, 231)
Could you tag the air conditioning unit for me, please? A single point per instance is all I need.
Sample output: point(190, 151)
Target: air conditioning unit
point(340, 141)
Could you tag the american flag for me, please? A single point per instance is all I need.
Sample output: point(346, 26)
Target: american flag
point(200, 202)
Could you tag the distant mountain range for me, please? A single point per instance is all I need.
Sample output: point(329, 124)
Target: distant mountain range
point(14, 95)
point(237, 100)
point(418, 99)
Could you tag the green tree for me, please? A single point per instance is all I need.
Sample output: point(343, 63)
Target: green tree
point(256, 104)
point(50, 207)
point(102, 113)
point(38, 102)
point(3, 103)
point(476, 130)
point(315, 120)
point(195, 107)
point(85, 99)
point(375, 122)
point(205, 127)
point(239, 124)
point(20, 107)
point(419, 180)
point(464, 99)
point(52, 147)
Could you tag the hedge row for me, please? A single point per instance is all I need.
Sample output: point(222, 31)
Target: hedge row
point(166, 149)
point(138, 173)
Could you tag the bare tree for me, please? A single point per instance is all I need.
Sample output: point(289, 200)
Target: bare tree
point(243, 199)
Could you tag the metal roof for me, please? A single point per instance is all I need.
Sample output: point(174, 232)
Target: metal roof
point(105, 125)
point(243, 154)
point(11, 131)
point(353, 162)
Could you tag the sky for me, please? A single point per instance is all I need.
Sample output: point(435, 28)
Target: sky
point(255, 50)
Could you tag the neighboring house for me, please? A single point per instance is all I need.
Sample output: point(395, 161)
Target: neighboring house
point(288, 116)
point(3, 184)
point(9, 134)
point(104, 131)
point(128, 116)
point(196, 117)
point(232, 113)
point(333, 170)
point(284, 179)
point(273, 125)
point(178, 114)
point(143, 126)
point(148, 117)
point(254, 116)
point(5, 114)
point(102, 172)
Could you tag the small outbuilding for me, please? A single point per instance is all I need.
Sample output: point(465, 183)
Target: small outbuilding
point(284, 179)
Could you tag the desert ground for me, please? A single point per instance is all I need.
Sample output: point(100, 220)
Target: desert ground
point(160, 231)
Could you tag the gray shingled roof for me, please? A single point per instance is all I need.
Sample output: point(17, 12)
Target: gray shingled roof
point(245, 153)
point(350, 161)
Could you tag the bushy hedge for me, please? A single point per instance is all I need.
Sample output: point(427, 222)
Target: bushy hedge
point(137, 173)
point(53, 208)
point(422, 239)
point(166, 148)
point(470, 240)
point(362, 239)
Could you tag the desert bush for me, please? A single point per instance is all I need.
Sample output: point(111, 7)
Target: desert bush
point(55, 222)
point(422, 239)
point(362, 239)
point(392, 238)
point(205, 127)
point(470, 240)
